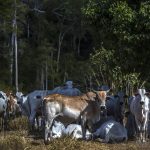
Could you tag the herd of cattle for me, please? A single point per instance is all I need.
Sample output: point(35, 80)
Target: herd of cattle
point(95, 114)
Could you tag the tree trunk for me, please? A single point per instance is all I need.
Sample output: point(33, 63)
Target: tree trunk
point(61, 37)
point(59, 48)
point(16, 62)
point(78, 50)
point(28, 28)
point(42, 79)
point(52, 70)
point(46, 76)
point(12, 57)
point(15, 45)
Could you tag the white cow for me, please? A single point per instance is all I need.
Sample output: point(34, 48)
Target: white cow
point(67, 89)
point(139, 107)
point(72, 130)
point(31, 104)
point(130, 123)
point(116, 106)
point(3, 107)
point(110, 131)
point(85, 108)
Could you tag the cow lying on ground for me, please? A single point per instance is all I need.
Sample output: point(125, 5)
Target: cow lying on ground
point(85, 109)
point(72, 130)
point(110, 131)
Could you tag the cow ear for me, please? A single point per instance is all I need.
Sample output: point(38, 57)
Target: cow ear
point(125, 96)
point(147, 94)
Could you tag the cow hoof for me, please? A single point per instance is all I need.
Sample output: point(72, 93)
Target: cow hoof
point(143, 141)
point(47, 141)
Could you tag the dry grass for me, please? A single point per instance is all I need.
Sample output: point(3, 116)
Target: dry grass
point(18, 139)
point(18, 123)
point(12, 141)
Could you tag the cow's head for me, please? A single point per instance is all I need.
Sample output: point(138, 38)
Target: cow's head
point(102, 96)
point(142, 97)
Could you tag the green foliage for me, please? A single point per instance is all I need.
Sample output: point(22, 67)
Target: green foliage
point(102, 57)
point(122, 80)
point(102, 64)
point(143, 21)
point(95, 9)
point(108, 72)
point(119, 31)
point(122, 19)
point(122, 14)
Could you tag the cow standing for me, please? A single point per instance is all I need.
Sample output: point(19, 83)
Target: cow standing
point(3, 107)
point(85, 109)
point(139, 107)
point(13, 109)
point(31, 104)
point(116, 106)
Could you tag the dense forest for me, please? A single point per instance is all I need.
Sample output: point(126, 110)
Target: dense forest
point(43, 43)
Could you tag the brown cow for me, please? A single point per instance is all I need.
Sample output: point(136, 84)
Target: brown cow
point(13, 109)
point(85, 108)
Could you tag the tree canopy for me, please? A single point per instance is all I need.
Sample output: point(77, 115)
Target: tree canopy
point(88, 41)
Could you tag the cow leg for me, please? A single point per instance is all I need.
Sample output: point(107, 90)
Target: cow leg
point(83, 127)
point(32, 121)
point(144, 134)
point(138, 129)
point(1, 123)
point(37, 121)
point(48, 132)
point(51, 115)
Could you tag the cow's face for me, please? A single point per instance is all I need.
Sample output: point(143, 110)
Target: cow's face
point(102, 99)
point(122, 99)
point(142, 98)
